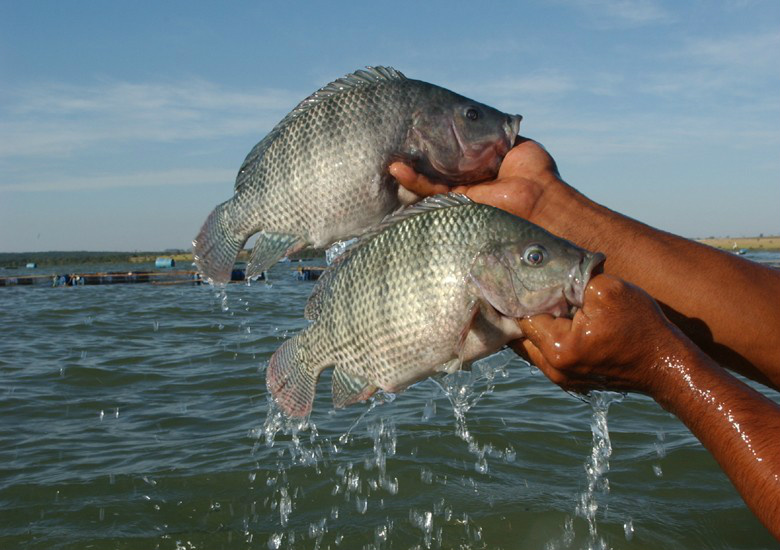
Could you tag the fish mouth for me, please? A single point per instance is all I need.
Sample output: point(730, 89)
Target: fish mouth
point(484, 159)
point(579, 276)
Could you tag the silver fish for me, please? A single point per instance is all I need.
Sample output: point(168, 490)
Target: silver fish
point(321, 174)
point(431, 289)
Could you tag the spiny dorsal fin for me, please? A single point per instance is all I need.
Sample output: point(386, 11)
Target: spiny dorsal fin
point(436, 202)
point(362, 77)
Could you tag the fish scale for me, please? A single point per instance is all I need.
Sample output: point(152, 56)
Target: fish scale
point(321, 174)
point(434, 287)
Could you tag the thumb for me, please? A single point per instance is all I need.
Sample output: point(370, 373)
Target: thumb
point(415, 182)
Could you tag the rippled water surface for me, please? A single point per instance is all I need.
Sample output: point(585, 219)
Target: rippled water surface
point(136, 416)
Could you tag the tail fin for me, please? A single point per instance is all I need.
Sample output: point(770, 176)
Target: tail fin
point(217, 245)
point(291, 381)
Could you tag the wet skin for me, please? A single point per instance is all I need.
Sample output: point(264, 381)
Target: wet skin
point(716, 310)
point(621, 340)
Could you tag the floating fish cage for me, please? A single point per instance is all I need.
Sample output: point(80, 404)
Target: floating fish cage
point(105, 278)
point(164, 263)
point(25, 280)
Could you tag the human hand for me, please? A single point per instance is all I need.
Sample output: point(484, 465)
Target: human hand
point(526, 173)
point(619, 340)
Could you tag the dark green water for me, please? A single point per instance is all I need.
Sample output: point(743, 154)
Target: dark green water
point(136, 416)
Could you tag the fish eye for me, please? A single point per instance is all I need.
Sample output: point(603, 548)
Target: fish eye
point(472, 113)
point(534, 255)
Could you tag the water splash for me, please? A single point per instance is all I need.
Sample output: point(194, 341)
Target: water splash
point(660, 451)
point(461, 388)
point(337, 249)
point(597, 466)
point(353, 466)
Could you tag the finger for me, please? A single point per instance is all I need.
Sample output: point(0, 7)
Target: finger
point(526, 349)
point(546, 333)
point(415, 182)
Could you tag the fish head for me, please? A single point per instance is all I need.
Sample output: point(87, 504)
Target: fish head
point(544, 274)
point(459, 140)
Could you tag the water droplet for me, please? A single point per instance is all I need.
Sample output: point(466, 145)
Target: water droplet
point(510, 455)
point(657, 470)
point(275, 541)
point(361, 504)
point(429, 411)
point(426, 475)
point(628, 529)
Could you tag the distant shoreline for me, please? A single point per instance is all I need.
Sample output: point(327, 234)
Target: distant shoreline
point(770, 243)
point(20, 259)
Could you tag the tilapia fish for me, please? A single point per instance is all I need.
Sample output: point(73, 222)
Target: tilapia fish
point(431, 289)
point(321, 174)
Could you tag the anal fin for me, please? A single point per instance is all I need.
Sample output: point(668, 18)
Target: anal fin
point(349, 389)
point(269, 249)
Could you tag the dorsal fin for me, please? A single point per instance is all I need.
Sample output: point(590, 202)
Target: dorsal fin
point(436, 202)
point(362, 77)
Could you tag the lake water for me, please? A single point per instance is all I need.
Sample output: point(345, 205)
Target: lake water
point(136, 416)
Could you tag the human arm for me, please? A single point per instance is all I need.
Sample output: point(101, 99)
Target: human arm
point(621, 340)
point(729, 306)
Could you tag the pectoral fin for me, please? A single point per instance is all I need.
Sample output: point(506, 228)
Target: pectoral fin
point(269, 249)
point(349, 389)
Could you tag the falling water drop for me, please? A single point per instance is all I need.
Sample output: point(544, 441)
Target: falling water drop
point(628, 529)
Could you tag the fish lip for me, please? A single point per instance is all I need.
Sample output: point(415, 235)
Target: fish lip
point(500, 148)
point(579, 277)
point(512, 130)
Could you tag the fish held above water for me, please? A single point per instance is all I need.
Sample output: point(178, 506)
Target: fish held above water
point(321, 174)
point(432, 289)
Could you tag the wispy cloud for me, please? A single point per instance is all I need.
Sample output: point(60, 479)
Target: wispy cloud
point(160, 178)
point(622, 13)
point(743, 52)
point(735, 72)
point(58, 119)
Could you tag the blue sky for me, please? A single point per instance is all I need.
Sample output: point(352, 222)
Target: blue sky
point(122, 124)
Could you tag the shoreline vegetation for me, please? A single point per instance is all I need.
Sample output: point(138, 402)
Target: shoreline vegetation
point(183, 258)
point(760, 243)
point(12, 260)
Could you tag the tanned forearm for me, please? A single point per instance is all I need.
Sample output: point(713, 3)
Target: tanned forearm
point(739, 426)
point(729, 306)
